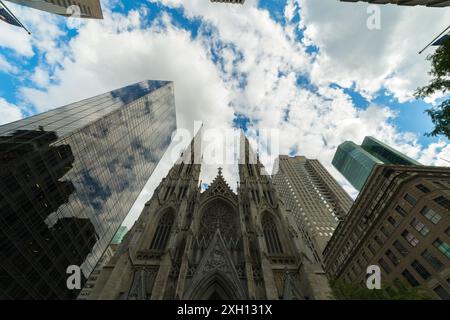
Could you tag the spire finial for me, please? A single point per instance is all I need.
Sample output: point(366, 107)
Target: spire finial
point(220, 171)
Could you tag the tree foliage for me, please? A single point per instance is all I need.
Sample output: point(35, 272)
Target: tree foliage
point(440, 82)
point(343, 290)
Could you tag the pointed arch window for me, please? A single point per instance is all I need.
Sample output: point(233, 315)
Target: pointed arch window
point(162, 233)
point(273, 242)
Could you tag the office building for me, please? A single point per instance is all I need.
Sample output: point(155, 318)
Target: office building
point(87, 8)
point(355, 162)
point(400, 222)
point(68, 178)
point(314, 198)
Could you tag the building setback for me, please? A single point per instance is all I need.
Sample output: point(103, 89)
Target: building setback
point(400, 222)
point(68, 178)
point(355, 162)
point(88, 8)
point(314, 198)
point(428, 3)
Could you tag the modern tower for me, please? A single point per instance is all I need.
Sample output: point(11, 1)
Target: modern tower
point(314, 198)
point(87, 8)
point(400, 222)
point(355, 162)
point(68, 178)
point(215, 244)
point(428, 3)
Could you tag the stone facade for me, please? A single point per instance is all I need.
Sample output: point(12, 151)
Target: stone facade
point(214, 244)
point(401, 223)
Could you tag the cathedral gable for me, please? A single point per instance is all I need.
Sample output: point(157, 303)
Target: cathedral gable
point(219, 187)
point(216, 273)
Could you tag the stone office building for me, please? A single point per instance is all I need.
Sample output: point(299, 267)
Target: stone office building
point(400, 222)
point(315, 199)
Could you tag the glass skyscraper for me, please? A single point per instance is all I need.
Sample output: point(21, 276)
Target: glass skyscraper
point(355, 162)
point(68, 178)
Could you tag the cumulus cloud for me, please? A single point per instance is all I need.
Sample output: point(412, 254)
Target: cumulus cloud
point(6, 66)
point(8, 112)
point(387, 57)
point(243, 62)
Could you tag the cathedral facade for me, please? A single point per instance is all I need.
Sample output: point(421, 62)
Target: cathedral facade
point(216, 244)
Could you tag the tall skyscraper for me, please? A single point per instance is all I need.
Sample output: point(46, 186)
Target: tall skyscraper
point(87, 8)
point(68, 178)
point(428, 3)
point(315, 199)
point(214, 244)
point(355, 162)
point(401, 223)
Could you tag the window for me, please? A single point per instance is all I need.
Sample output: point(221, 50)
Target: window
point(371, 248)
point(400, 248)
point(410, 278)
point(410, 199)
point(444, 295)
point(384, 266)
point(385, 231)
point(401, 211)
point(408, 236)
point(395, 261)
point(422, 188)
point(393, 222)
point(420, 227)
point(271, 235)
point(378, 240)
point(443, 201)
point(431, 215)
point(162, 232)
point(443, 247)
point(432, 260)
point(420, 270)
point(447, 231)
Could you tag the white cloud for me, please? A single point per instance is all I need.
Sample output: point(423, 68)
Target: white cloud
point(6, 66)
point(118, 51)
point(8, 112)
point(373, 59)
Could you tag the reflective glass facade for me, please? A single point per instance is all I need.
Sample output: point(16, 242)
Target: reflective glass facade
point(69, 177)
point(385, 153)
point(355, 162)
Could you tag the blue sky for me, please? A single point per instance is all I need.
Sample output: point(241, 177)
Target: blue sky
point(411, 116)
point(310, 69)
